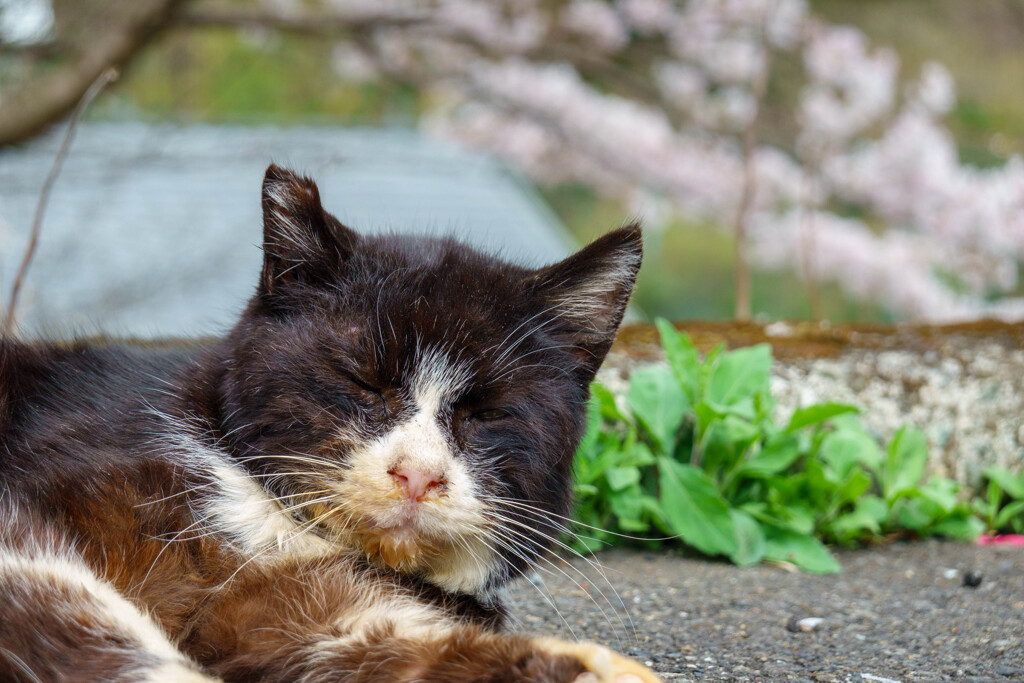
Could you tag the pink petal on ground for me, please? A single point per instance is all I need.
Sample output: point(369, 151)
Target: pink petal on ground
point(1002, 539)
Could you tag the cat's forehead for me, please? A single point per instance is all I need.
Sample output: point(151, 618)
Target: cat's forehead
point(432, 263)
point(438, 289)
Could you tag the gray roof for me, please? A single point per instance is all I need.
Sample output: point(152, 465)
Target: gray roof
point(153, 230)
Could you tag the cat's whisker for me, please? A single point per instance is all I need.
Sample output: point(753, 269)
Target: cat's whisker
point(595, 564)
point(198, 487)
point(168, 543)
point(311, 460)
point(21, 665)
point(518, 552)
point(591, 563)
point(518, 368)
point(540, 556)
point(526, 506)
point(511, 347)
point(300, 530)
point(553, 347)
point(298, 506)
point(184, 492)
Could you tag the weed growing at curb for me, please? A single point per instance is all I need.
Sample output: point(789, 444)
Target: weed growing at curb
point(693, 451)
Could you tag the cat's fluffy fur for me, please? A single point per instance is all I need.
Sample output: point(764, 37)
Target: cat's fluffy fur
point(337, 490)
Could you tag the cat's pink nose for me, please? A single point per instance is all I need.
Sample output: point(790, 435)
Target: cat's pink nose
point(417, 484)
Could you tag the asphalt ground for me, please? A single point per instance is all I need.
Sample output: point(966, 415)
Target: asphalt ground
point(900, 612)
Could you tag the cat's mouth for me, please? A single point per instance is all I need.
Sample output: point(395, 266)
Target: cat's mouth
point(398, 540)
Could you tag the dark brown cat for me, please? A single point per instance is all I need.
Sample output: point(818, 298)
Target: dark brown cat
point(337, 490)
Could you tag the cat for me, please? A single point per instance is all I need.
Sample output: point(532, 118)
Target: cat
point(337, 490)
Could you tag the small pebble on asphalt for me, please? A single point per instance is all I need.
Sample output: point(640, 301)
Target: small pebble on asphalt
point(972, 579)
point(805, 625)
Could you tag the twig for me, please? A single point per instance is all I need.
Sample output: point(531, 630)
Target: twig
point(105, 79)
point(808, 249)
point(741, 263)
point(298, 23)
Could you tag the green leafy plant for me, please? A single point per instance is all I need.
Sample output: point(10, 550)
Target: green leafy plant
point(1002, 507)
point(693, 451)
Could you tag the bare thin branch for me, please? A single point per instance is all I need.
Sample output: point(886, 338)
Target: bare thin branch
point(28, 111)
point(741, 261)
point(105, 79)
point(289, 22)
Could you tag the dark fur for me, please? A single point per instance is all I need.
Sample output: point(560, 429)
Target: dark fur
point(326, 340)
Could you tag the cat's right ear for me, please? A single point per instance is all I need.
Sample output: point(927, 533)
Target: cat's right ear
point(302, 243)
point(588, 293)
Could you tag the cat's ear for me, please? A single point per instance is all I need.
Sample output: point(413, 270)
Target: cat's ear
point(588, 292)
point(301, 242)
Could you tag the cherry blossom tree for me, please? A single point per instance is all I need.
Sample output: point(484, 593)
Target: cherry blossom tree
point(661, 104)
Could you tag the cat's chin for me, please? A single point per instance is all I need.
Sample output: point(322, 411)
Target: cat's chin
point(401, 547)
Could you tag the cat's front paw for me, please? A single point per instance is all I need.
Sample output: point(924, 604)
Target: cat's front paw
point(601, 664)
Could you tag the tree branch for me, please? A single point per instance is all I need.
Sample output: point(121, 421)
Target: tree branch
point(303, 24)
point(587, 62)
point(29, 111)
point(107, 77)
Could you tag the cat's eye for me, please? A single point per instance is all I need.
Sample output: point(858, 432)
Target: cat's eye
point(368, 388)
point(490, 415)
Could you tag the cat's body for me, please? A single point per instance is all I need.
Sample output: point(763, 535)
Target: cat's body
point(338, 490)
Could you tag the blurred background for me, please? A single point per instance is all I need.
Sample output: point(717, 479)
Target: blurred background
point(819, 159)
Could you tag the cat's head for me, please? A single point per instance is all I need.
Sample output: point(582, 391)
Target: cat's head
point(414, 398)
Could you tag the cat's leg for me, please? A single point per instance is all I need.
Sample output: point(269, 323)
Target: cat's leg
point(319, 623)
point(61, 622)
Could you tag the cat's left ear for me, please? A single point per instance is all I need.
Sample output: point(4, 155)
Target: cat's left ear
point(588, 293)
point(302, 243)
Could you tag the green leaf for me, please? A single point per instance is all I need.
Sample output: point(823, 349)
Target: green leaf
point(845, 447)
point(1013, 486)
point(731, 436)
point(628, 509)
point(707, 414)
point(905, 461)
point(852, 525)
point(803, 550)
point(962, 528)
point(682, 358)
point(940, 491)
point(620, 478)
point(1010, 513)
point(593, 430)
point(874, 506)
point(739, 375)
point(694, 509)
point(606, 402)
point(639, 455)
point(774, 457)
point(856, 484)
point(750, 543)
point(868, 515)
point(658, 403)
point(816, 414)
point(916, 514)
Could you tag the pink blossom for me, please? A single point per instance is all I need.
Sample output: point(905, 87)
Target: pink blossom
point(647, 16)
point(598, 22)
point(940, 240)
point(936, 90)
